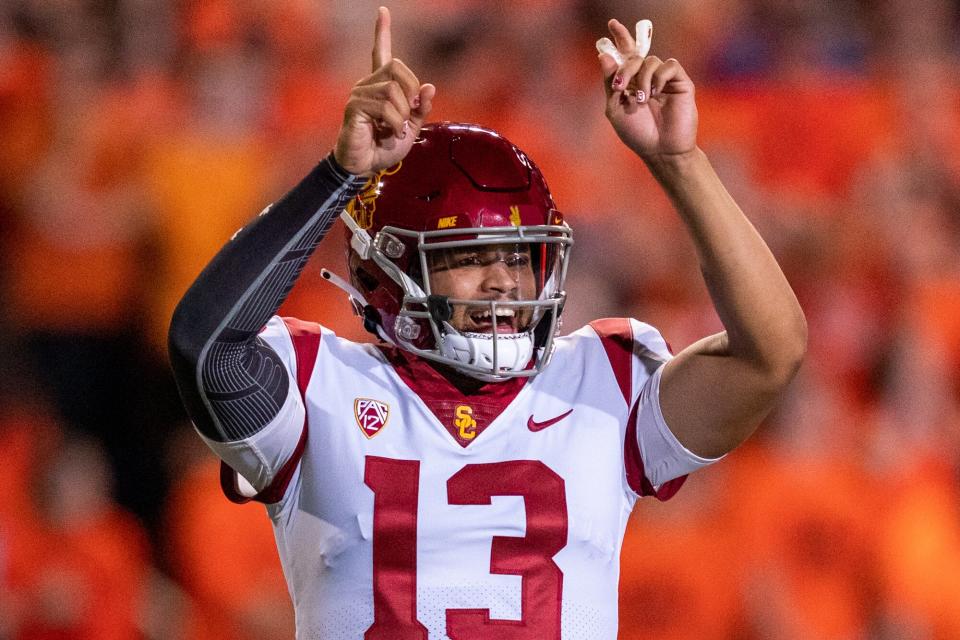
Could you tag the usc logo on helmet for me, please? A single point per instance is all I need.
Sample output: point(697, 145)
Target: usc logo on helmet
point(465, 423)
point(362, 207)
point(515, 215)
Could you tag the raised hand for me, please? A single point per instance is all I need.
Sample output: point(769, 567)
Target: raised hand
point(650, 102)
point(385, 111)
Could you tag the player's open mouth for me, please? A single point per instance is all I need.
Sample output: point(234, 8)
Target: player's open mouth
point(482, 321)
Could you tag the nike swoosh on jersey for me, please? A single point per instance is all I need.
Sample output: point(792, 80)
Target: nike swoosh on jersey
point(533, 425)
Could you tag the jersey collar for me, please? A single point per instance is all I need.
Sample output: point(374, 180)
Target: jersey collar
point(465, 415)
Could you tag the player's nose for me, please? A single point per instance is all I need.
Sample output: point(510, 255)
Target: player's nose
point(499, 278)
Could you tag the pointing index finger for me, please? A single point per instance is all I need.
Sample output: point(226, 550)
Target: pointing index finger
point(381, 40)
point(621, 37)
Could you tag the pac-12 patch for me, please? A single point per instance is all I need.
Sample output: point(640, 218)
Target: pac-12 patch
point(371, 415)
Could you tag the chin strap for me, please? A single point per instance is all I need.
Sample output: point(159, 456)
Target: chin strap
point(371, 317)
point(356, 298)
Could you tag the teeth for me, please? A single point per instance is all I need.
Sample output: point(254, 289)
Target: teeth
point(501, 313)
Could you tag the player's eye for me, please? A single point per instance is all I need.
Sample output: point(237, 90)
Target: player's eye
point(517, 260)
point(472, 259)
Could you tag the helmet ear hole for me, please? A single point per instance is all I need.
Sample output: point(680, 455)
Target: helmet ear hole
point(367, 280)
point(360, 277)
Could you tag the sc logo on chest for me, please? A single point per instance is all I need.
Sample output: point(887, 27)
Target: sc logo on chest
point(464, 422)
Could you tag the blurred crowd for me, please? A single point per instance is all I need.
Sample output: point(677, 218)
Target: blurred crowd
point(136, 136)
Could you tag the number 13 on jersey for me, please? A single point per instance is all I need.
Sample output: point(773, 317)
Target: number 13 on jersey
point(395, 485)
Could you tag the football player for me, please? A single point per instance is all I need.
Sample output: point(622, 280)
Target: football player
point(471, 474)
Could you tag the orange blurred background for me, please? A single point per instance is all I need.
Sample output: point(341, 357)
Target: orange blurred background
point(137, 136)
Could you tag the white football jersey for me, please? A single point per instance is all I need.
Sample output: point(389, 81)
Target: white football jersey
point(405, 509)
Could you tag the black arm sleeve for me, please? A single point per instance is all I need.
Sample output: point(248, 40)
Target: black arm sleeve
point(231, 382)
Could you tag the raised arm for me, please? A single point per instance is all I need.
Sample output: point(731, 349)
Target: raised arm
point(715, 392)
point(231, 382)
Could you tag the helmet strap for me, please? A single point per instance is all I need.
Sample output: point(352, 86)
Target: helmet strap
point(359, 238)
point(372, 321)
point(355, 296)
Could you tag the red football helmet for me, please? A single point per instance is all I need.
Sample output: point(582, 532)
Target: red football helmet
point(467, 194)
